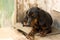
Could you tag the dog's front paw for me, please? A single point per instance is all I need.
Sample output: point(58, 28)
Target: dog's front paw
point(42, 34)
point(30, 37)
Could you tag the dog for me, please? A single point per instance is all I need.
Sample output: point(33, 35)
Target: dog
point(39, 20)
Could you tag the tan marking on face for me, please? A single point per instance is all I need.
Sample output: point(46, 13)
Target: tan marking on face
point(34, 22)
point(33, 14)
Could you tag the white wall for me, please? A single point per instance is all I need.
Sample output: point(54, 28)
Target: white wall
point(53, 7)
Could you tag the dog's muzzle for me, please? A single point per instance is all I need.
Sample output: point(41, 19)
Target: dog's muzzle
point(28, 23)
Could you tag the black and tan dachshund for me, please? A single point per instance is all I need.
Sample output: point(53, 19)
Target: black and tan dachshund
point(39, 20)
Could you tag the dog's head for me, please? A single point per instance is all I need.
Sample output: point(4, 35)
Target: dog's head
point(31, 17)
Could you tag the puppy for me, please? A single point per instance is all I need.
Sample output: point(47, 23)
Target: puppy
point(39, 20)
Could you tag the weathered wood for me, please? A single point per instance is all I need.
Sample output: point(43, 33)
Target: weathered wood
point(21, 5)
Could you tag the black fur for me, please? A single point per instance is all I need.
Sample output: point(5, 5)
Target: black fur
point(39, 20)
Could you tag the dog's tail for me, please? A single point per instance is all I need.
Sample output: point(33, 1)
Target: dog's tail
point(24, 33)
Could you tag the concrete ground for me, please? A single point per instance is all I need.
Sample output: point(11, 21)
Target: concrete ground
point(9, 33)
point(55, 35)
